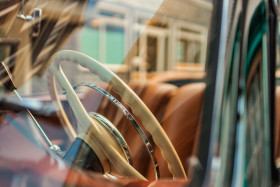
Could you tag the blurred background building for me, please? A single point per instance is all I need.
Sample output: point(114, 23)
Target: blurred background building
point(137, 38)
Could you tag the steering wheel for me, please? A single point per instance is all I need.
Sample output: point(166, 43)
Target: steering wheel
point(94, 134)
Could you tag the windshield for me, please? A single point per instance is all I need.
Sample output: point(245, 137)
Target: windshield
point(102, 88)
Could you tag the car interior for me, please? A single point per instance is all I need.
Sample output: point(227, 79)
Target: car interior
point(139, 93)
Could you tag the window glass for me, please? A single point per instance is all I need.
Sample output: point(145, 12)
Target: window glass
point(102, 86)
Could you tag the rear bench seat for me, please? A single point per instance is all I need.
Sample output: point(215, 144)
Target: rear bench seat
point(177, 110)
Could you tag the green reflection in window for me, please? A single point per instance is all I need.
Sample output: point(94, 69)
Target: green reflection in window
point(114, 45)
point(90, 42)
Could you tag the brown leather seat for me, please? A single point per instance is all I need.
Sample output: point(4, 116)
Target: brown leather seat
point(177, 109)
point(155, 95)
point(180, 123)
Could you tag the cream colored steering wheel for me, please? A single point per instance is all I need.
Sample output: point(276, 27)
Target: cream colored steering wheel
point(97, 137)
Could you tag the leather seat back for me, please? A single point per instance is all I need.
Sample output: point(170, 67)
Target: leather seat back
point(181, 123)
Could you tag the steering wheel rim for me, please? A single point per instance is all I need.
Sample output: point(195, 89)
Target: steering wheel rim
point(129, 97)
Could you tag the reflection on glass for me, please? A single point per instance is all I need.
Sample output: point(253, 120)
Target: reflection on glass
point(157, 48)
